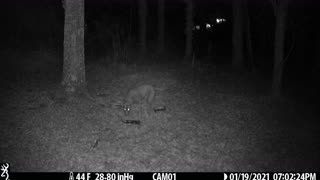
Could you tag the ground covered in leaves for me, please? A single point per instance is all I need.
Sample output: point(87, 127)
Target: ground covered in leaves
point(214, 120)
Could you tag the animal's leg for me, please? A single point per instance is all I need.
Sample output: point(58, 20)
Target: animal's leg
point(151, 96)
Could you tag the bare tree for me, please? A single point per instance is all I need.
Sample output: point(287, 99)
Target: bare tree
point(143, 26)
point(74, 78)
point(280, 8)
point(161, 25)
point(237, 38)
point(188, 28)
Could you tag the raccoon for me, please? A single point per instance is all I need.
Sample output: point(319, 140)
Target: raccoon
point(139, 95)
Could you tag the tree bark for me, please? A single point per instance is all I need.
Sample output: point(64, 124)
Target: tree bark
point(188, 29)
point(143, 26)
point(161, 25)
point(73, 79)
point(237, 38)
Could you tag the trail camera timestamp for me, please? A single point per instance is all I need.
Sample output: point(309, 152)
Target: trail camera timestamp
point(294, 176)
point(270, 176)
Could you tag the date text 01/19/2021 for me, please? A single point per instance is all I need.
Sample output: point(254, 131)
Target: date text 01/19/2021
point(270, 176)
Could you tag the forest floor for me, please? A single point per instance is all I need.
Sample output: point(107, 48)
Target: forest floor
point(215, 120)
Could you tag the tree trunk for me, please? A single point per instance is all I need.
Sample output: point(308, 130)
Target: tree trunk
point(74, 79)
point(237, 38)
point(188, 29)
point(278, 53)
point(143, 26)
point(161, 25)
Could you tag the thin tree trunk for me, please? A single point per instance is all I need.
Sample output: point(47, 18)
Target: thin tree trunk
point(237, 38)
point(74, 79)
point(278, 54)
point(161, 25)
point(143, 26)
point(188, 29)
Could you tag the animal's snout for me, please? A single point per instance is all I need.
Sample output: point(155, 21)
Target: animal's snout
point(126, 110)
